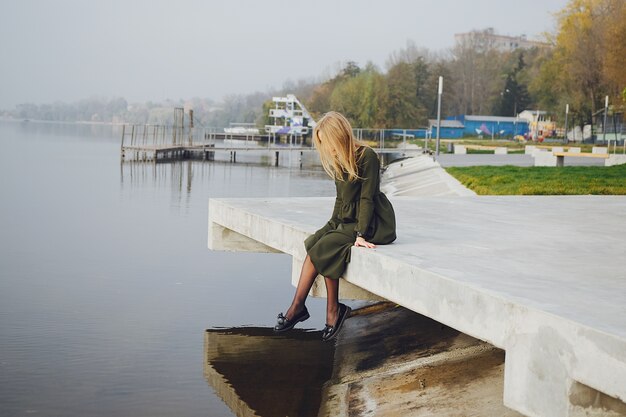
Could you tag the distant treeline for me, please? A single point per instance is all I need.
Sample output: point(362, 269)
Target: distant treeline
point(118, 110)
point(581, 63)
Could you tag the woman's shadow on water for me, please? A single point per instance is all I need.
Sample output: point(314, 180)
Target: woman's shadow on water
point(257, 372)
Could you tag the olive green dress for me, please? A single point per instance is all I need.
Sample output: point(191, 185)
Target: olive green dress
point(359, 206)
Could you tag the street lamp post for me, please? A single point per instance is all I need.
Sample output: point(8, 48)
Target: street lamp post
point(440, 91)
point(565, 139)
point(537, 127)
point(606, 110)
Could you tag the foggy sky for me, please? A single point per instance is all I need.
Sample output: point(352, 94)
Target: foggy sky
point(152, 50)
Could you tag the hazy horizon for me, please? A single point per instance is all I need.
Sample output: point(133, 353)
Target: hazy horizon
point(152, 50)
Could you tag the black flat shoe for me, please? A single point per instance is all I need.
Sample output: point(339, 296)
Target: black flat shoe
point(330, 332)
point(283, 324)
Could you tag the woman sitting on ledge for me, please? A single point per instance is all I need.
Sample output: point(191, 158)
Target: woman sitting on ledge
point(362, 216)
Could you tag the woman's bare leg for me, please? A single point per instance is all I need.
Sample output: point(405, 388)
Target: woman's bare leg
point(332, 300)
point(307, 277)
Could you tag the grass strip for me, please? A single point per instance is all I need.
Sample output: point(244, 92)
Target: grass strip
point(512, 180)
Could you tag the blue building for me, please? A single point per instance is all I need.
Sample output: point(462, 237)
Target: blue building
point(450, 129)
point(492, 126)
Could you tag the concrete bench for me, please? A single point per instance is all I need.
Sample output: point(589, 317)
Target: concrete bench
point(511, 271)
point(497, 150)
point(557, 158)
point(560, 156)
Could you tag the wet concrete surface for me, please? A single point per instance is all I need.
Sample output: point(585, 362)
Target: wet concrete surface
point(394, 362)
point(387, 361)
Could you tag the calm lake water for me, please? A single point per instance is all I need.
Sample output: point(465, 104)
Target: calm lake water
point(106, 282)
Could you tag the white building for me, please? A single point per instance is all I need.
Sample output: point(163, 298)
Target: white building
point(502, 43)
point(289, 116)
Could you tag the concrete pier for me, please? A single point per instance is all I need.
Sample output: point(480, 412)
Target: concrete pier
point(542, 278)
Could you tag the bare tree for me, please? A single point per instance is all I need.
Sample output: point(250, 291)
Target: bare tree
point(475, 70)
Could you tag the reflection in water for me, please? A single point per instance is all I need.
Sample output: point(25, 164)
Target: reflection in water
point(179, 174)
point(220, 179)
point(258, 373)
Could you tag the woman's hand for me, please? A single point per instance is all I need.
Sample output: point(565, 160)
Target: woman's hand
point(362, 242)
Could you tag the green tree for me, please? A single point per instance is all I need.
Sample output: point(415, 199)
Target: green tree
point(359, 98)
point(350, 70)
point(588, 59)
point(514, 96)
point(401, 106)
point(615, 44)
point(425, 92)
point(320, 101)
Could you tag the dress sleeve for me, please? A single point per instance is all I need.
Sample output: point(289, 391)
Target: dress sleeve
point(369, 188)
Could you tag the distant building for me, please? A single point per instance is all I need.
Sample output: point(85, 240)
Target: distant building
point(491, 126)
point(450, 129)
point(290, 117)
point(488, 38)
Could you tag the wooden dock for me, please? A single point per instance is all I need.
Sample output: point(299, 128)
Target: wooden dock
point(167, 143)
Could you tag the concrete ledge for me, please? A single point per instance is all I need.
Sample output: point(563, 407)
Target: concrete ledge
point(615, 159)
point(230, 228)
point(420, 176)
point(529, 149)
point(599, 149)
point(544, 158)
point(501, 151)
point(512, 271)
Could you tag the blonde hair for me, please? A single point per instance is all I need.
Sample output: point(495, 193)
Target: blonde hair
point(336, 145)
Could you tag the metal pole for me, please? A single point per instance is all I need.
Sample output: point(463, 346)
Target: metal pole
point(615, 134)
point(440, 91)
point(404, 139)
point(190, 127)
point(537, 127)
point(606, 110)
point(565, 139)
